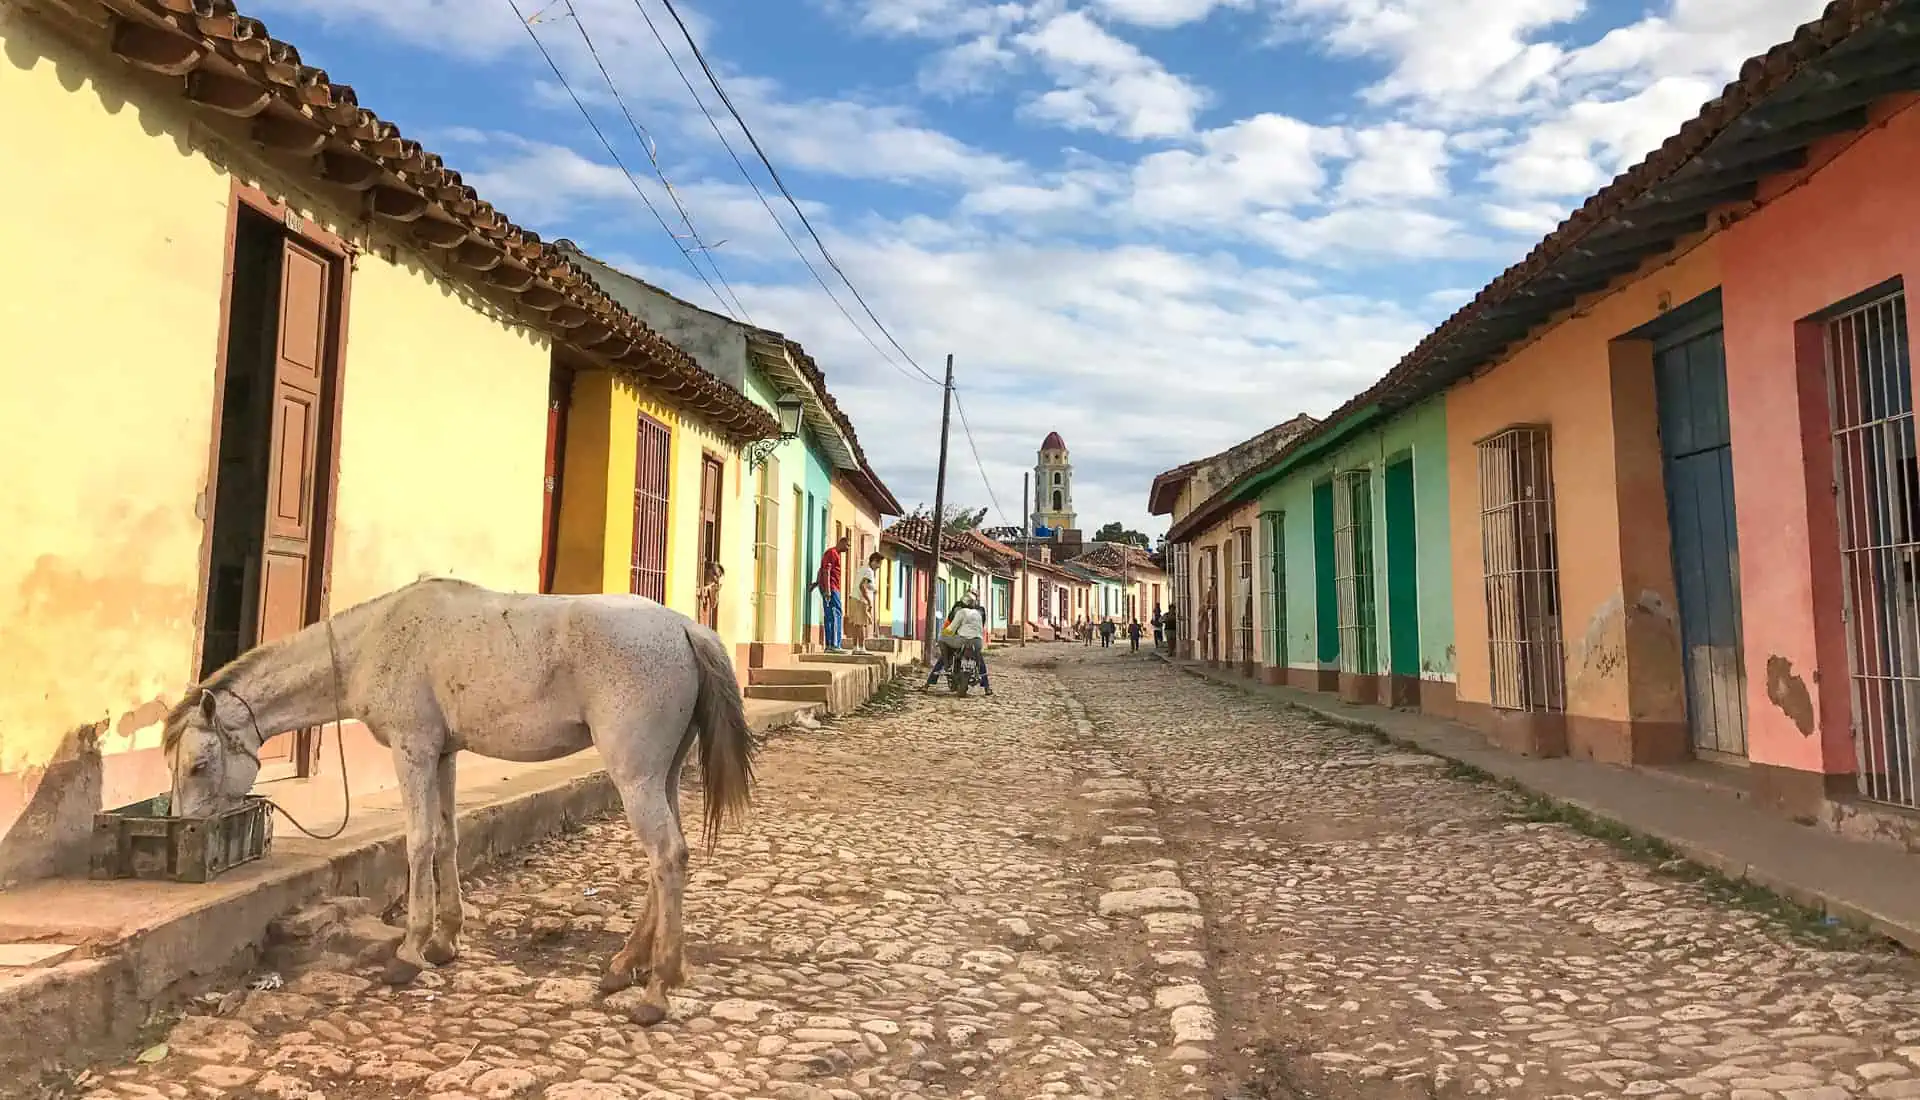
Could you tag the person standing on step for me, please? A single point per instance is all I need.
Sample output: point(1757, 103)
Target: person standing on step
point(828, 580)
point(860, 616)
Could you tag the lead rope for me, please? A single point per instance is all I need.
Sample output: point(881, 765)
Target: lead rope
point(339, 744)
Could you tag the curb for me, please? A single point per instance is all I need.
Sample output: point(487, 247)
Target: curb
point(1904, 932)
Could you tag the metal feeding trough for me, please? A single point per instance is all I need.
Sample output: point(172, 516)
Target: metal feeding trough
point(142, 840)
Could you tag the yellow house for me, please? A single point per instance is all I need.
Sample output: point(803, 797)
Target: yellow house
point(269, 359)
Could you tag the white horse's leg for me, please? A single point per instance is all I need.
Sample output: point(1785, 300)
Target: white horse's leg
point(448, 915)
point(636, 957)
point(420, 801)
point(659, 927)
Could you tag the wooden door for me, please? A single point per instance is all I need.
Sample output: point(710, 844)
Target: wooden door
point(290, 554)
point(711, 476)
point(1696, 444)
point(559, 396)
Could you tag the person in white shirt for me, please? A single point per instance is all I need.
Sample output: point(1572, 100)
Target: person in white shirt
point(968, 624)
point(860, 609)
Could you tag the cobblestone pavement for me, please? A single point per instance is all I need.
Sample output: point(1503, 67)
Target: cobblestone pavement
point(1110, 880)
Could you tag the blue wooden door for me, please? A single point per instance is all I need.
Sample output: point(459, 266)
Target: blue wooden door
point(1690, 373)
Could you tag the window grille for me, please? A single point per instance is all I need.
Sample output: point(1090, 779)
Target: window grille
point(1353, 572)
point(1870, 396)
point(651, 472)
point(766, 549)
point(1243, 593)
point(1520, 562)
point(1273, 571)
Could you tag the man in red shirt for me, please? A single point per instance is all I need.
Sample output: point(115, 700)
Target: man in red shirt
point(829, 580)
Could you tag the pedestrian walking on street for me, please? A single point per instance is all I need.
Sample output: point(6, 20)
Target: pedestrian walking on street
point(1166, 627)
point(1106, 633)
point(1133, 634)
point(1158, 621)
point(1086, 632)
point(828, 580)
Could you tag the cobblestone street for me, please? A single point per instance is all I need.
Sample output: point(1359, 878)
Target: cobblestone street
point(1109, 880)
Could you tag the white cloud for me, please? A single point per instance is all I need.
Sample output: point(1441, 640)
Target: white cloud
point(1165, 13)
point(1264, 162)
point(1397, 161)
point(1107, 84)
point(1591, 142)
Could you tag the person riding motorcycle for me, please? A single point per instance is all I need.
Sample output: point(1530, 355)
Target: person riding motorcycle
point(966, 626)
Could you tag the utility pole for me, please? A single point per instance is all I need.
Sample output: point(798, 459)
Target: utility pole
point(939, 516)
point(1026, 533)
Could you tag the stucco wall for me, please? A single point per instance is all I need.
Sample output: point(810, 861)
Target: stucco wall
point(1419, 434)
point(1854, 225)
point(110, 324)
point(1616, 582)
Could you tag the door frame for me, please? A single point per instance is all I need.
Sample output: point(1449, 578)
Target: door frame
point(341, 254)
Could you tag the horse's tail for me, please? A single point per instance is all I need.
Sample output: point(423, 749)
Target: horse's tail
point(726, 745)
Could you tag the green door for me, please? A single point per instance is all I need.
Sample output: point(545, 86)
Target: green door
point(1403, 566)
point(1326, 599)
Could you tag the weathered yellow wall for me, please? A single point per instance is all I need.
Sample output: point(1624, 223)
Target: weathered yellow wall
point(442, 439)
point(108, 320)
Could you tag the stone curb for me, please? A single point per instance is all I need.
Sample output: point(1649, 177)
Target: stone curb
point(1903, 932)
point(105, 999)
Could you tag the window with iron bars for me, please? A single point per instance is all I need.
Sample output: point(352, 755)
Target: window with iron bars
point(1353, 572)
point(651, 477)
point(1273, 570)
point(1243, 593)
point(766, 549)
point(1521, 564)
point(1877, 483)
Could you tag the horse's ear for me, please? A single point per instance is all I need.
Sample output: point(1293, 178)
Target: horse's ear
point(206, 705)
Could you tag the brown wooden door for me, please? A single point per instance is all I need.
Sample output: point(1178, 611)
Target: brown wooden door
point(559, 394)
point(711, 476)
point(652, 471)
point(290, 557)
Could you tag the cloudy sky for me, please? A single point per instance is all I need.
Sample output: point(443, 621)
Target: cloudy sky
point(1156, 226)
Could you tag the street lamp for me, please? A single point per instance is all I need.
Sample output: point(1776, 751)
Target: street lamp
point(787, 409)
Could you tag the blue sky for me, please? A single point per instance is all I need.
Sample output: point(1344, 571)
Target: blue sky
point(1156, 226)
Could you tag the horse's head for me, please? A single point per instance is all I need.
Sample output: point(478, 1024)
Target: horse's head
point(213, 760)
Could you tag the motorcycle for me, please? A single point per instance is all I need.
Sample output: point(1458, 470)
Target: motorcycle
point(962, 671)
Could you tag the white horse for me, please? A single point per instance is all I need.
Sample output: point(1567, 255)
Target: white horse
point(440, 666)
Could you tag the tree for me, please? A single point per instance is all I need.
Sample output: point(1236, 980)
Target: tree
point(958, 520)
point(1116, 532)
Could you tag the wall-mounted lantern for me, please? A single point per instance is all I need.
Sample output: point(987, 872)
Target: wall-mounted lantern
point(787, 410)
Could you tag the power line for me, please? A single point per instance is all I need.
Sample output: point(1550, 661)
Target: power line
point(611, 152)
point(727, 101)
point(967, 430)
point(647, 144)
point(713, 123)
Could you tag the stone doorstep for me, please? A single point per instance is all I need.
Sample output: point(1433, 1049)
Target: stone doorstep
point(141, 943)
point(1792, 874)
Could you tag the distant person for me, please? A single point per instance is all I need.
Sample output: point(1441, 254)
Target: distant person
point(1133, 634)
point(828, 580)
point(1086, 633)
point(1166, 627)
point(860, 609)
point(706, 600)
point(1159, 623)
point(1106, 633)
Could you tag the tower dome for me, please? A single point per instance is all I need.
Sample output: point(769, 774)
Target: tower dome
point(1053, 486)
point(1053, 442)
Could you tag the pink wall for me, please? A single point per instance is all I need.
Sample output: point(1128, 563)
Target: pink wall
point(1854, 224)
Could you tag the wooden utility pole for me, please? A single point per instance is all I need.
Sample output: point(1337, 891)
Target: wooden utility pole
point(939, 516)
point(1026, 533)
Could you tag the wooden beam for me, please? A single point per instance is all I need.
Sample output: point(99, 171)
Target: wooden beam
point(285, 135)
point(348, 170)
point(226, 94)
point(393, 204)
point(438, 233)
point(150, 48)
point(1774, 143)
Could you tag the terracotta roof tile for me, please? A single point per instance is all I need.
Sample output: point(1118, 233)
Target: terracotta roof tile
point(232, 65)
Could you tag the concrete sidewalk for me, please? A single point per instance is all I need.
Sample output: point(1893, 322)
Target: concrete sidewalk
point(136, 945)
point(1872, 886)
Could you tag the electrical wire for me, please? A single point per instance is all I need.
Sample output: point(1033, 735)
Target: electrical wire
point(611, 152)
point(774, 173)
point(967, 430)
point(646, 143)
point(714, 124)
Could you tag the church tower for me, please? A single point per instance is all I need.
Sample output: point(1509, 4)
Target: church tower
point(1053, 486)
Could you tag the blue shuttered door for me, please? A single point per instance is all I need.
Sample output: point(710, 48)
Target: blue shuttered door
point(1690, 371)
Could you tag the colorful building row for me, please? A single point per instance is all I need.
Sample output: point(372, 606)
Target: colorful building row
point(272, 358)
point(1651, 497)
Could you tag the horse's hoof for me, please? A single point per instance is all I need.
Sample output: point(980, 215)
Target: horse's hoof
point(613, 981)
point(646, 1015)
point(400, 972)
point(439, 954)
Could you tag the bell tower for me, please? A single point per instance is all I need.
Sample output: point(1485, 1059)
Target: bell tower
point(1053, 486)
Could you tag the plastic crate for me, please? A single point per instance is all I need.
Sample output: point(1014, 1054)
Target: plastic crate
point(143, 840)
